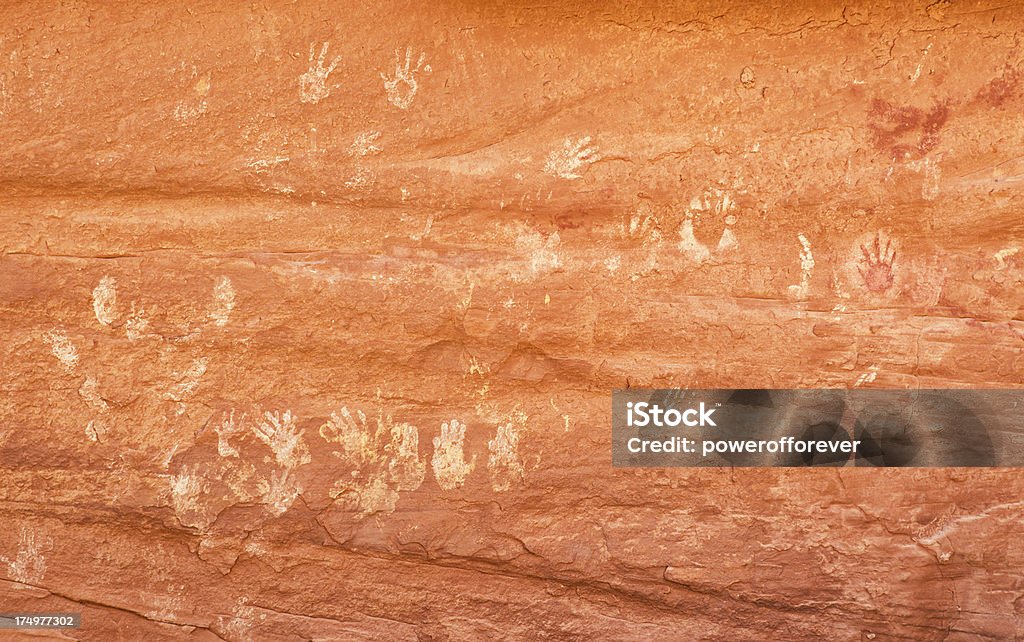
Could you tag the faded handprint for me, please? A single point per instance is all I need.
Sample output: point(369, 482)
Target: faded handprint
point(449, 463)
point(188, 381)
point(384, 460)
point(402, 88)
point(223, 301)
point(313, 84)
point(712, 201)
point(867, 377)
point(89, 391)
point(353, 434)
point(644, 228)
point(503, 459)
point(279, 491)
point(136, 326)
point(405, 466)
point(62, 349)
point(187, 487)
point(877, 265)
point(104, 300)
point(194, 105)
point(365, 144)
point(906, 132)
point(29, 566)
point(574, 155)
point(1003, 255)
point(239, 624)
point(541, 253)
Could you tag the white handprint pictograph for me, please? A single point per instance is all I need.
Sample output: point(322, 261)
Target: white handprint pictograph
point(449, 462)
point(279, 433)
point(571, 158)
point(402, 88)
point(279, 491)
point(187, 489)
point(383, 456)
point(503, 460)
point(313, 85)
point(228, 428)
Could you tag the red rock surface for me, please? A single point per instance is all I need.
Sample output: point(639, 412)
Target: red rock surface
point(311, 314)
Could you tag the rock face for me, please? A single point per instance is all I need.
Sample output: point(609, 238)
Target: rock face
point(311, 314)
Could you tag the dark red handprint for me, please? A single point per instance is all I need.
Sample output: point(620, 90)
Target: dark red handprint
point(876, 266)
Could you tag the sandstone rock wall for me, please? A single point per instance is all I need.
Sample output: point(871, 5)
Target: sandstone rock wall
point(311, 313)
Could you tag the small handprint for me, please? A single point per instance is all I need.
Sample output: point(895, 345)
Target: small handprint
point(313, 84)
point(228, 428)
point(278, 492)
point(402, 88)
point(876, 266)
point(574, 155)
point(799, 292)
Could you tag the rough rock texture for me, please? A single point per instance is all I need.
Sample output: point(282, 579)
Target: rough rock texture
point(311, 313)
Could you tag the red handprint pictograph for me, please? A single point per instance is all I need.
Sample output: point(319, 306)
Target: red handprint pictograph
point(876, 266)
point(906, 132)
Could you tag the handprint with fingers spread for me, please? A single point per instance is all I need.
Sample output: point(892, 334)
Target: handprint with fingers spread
point(877, 265)
point(402, 88)
point(279, 433)
point(313, 85)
